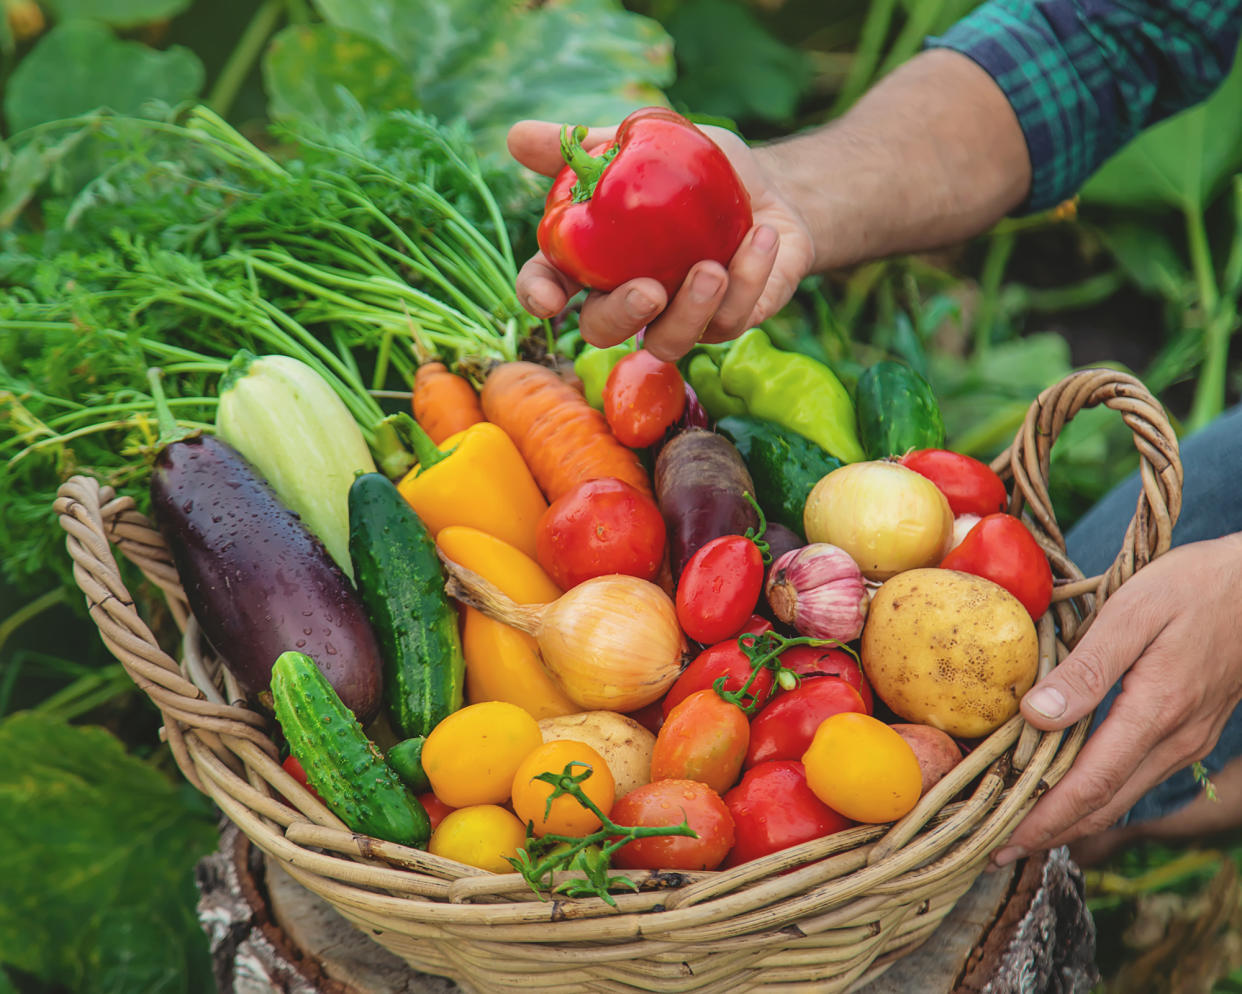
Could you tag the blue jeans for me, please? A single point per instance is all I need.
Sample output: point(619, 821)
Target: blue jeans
point(1211, 507)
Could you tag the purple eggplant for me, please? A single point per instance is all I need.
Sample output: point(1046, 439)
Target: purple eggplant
point(701, 487)
point(258, 582)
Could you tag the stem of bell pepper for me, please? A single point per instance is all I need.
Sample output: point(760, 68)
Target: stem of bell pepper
point(588, 167)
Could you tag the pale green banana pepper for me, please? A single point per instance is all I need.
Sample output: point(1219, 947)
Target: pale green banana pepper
point(793, 390)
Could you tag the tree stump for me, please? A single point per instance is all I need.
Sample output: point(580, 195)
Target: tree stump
point(1024, 931)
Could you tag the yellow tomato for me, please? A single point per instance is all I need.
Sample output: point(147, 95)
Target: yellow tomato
point(566, 815)
point(470, 757)
point(861, 767)
point(481, 835)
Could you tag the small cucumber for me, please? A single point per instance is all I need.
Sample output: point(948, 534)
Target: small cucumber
point(401, 584)
point(341, 763)
point(897, 411)
point(784, 465)
point(406, 757)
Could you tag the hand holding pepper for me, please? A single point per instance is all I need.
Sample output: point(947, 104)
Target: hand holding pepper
point(715, 302)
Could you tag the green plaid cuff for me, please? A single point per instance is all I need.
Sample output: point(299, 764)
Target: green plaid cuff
point(1085, 77)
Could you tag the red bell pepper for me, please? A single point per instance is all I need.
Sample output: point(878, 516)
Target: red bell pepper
point(654, 201)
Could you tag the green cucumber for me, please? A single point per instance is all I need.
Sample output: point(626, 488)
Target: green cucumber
point(406, 757)
point(897, 411)
point(341, 763)
point(783, 464)
point(401, 584)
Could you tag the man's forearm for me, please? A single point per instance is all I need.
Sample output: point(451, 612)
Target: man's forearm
point(931, 155)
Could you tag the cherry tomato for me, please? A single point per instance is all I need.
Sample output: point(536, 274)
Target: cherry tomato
point(785, 727)
point(970, 486)
point(724, 659)
point(482, 835)
point(812, 660)
point(643, 397)
point(863, 768)
point(670, 802)
point(564, 816)
point(650, 716)
point(436, 809)
point(704, 738)
point(295, 770)
point(719, 588)
point(1000, 548)
point(773, 809)
point(599, 527)
point(470, 756)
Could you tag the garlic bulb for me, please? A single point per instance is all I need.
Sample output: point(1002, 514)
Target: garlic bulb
point(819, 590)
point(962, 524)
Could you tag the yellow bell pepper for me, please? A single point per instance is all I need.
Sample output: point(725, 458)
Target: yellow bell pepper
point(502, 663)
point(477, 478)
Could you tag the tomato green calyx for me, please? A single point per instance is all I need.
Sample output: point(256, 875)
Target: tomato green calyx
point(589, 168)
point(756, 534)
point(764, 652)
point(589, 854)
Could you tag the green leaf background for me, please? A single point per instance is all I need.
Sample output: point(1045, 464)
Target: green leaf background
point(80, 65)
point(118, 13)
point(97, 851)
point(487, 62)
point(1182, 162)
point(730, 66)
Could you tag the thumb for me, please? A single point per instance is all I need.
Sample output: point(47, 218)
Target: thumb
point(1116, 639)
point(537, 144)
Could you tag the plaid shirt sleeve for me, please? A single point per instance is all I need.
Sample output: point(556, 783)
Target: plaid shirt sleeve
point(1085, 76)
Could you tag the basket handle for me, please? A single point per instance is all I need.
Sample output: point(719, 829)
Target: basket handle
point(1027, 461)
point(94, 518)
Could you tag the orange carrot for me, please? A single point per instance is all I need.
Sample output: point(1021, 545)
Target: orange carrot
point(443, 402)
point(562, 438)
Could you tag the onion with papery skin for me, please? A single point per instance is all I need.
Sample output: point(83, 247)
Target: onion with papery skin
point(887, 518)
point(612, 642)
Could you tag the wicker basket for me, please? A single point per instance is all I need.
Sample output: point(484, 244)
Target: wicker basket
point(872, 893)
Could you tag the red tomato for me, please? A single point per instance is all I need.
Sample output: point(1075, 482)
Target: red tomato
point(295, 770)
point(785, 727)
point(650, 716)
point(599, 527)
point(773, 809)
point(669, 802)
point(643, 397)
point(971, 487)
point(812, 661)
point(436, 809)
point(1002, 549)
point(719, 588)
point(704, 738)
point(724, 659)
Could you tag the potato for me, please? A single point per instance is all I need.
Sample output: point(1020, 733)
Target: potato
point(949, 649)
point(625, 744)
point(935, 750)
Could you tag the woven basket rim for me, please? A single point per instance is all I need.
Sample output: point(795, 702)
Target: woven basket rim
point(834, 911)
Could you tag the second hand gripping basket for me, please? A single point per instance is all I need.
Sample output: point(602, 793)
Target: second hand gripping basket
point(866, 897)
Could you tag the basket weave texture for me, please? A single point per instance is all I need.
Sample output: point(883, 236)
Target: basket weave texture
point(868, 895)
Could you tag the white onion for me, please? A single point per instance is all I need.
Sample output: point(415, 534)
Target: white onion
point(886, 517)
